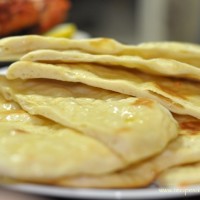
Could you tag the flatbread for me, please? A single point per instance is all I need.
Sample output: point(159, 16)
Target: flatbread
point(13, 48)
point(156, 66)
point(36, 149)
point(181, 176)
point(183, 150)
point(128, 126)
point(179, 96)
point(184, 175)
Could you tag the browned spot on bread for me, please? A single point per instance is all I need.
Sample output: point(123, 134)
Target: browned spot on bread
point(143, 102)
point(6, 112)
point(172, 90)
point(123, 130)
point(166, 100)
point(194, 126)
point(19, 131)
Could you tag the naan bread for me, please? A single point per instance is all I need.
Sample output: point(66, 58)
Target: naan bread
point(181, 176)
point(13, 48)
point(183, 150)
point(156, 66)
point(128, 126)
point(180, 51)
point(179, 96)
point(184, 175)
point(39, 150)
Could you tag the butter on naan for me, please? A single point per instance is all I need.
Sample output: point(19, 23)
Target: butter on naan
point(11, 112)
point(179, 96)
point(128, 126)
point(12, 48)
point(156, 66)
point(181, 176)
point(183, 150)
point(36, 149)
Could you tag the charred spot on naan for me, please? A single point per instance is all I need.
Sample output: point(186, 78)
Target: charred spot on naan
point(167, 100)
point(20, 131)
point(143, 102)
point(194, 126)
point(169, 89)
point(188, 124)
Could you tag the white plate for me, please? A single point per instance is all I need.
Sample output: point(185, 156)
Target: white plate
point(3, 70)
point(145, 193)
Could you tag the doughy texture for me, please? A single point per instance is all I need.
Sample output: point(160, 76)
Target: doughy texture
point(128, 126)
point(179, 96)
point(36, 149)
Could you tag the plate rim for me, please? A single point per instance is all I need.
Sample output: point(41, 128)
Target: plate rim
point(86, 193)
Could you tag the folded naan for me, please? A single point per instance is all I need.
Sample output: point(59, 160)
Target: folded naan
point(13, 48)
point(179, 96)
point(181, 176)
point(183, 150)
point(184, 175)
point(36, 149)
point(156, 66)
point(134, 128)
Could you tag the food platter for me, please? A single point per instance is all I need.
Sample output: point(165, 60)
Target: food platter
point(3, 70)
point(151, 192)
point(113, 125)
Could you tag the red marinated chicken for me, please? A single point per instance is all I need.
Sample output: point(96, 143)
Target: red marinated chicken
point(36, 15)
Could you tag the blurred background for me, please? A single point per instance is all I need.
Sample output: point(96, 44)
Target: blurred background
point(129, 21)
point(135, 21)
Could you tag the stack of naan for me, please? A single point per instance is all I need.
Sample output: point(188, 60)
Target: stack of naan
point(97, 113)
